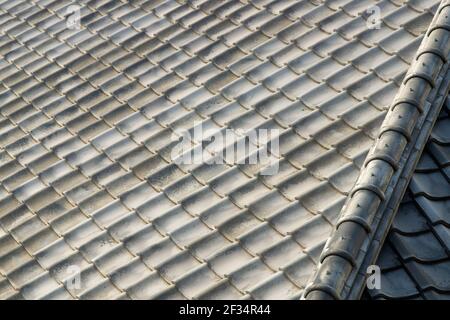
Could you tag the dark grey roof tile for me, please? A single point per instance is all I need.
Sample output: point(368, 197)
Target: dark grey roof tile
point(441, 134)
point(435, 295)
point(409, 219)
point(44, 282)
point(405, 288)
point(440, 153)
point(229, 57)
point(161, 252)
point(422, 247)
point(431, 276)
point(16, 179)
point(180, 39)
point(247, 193)
point(388, 259)
point(228, 181)
point(315, 251)
point(426, 163)
point(240, 33)
point(419, 24)
point(428, 184)
point(443, 234)
point(128, 275)
point(223, 290)
point(185, 234)
point(103, 290)
point(421, 4)
point(180, 189)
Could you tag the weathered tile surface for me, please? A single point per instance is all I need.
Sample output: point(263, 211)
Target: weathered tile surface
point(87, 116)
point(415, 259)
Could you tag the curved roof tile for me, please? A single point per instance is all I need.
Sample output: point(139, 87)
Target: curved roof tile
point(87, 116)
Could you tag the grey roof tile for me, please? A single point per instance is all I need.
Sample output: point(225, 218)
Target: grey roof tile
point(402, 287)
point(413, 240)
point(429, 185)
point(422, 219)
point(427, 247)
point(86, 121)
point(409, 220)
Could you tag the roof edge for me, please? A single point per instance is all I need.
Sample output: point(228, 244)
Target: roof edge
point(389, 211)
point(390, 159)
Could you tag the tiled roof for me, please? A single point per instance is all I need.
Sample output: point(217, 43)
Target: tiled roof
point(86, 120)
point(374, 199)
point(415, 259)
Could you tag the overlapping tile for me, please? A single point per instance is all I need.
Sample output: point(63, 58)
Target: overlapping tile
point(365, 219)
point(86, 125)
point(419, 238)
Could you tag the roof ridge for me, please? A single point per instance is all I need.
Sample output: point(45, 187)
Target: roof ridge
point(389, 162)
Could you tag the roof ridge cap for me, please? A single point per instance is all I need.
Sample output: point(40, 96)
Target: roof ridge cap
point(362, 213)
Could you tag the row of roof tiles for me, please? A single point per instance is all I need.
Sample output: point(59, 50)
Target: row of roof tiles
point(87, 116)
point(356, 221)
point(415, 260)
